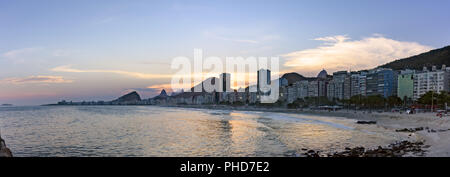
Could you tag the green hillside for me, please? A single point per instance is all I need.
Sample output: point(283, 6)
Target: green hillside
point(436, 57)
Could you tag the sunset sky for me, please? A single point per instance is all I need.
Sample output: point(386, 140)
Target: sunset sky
point(97, 50)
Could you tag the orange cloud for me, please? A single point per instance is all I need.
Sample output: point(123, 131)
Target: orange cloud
point(159, 87)
point(132, 74)
point(37, 79)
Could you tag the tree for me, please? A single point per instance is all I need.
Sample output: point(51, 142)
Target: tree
point(357, 100)
point(346, 102)
point(432, 98)
point(296, 104)
point(278, 103)
point(394, 101)
point(299, 101)
point(238, 103)
point(323, 100)
point(375, 101)
point(427, 97)
point(442, 98)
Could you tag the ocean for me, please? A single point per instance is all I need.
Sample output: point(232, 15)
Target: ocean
point(125, 131)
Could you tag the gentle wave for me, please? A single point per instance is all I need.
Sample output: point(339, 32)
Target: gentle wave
point(163, 131)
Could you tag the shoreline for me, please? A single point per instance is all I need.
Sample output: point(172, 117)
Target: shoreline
point(427, 128)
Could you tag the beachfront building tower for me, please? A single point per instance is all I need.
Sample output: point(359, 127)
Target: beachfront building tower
point(322, 83)
point(434, 80)
point(224, 88)
point(382, 81)
point(405, 81)
point(263, 76)
point(225, 82)
point(339, 79)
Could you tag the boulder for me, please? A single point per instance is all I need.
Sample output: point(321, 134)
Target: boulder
point(4, 151)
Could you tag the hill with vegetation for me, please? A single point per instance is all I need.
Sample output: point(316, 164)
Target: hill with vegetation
point(293, 77)
point(132, 97)
point(436, 57)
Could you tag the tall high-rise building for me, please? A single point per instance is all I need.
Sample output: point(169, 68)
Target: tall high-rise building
point(355, 84)
point(263, 76)
point(358, 83)
point(339, 79)
point(224, 88)
point(292, 94)
point(447, 80)
point(363, 83)
point(322, 83)
point(330, 90)
point(347, 87)
point(372, 83)
point(313, 89)
point(382, 82)
point(405, 84)
point(225, 82)
point(302, 88)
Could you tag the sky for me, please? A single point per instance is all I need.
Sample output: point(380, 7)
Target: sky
point(77, 50)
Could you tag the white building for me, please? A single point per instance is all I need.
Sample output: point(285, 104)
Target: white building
point(338, 84)
point(252, 94)
point(355, 84)
point(298, 90)
point(362, 83)
point(434, 80)
point(358, 83)
point(331, 90)
point(291, 93)
point(302, 89)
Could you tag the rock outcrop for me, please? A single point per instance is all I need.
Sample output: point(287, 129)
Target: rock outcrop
point(293, 77)
point(162, 95)
point(399, 149)
point(366, 122)
point(130, 98)
point(4, 151)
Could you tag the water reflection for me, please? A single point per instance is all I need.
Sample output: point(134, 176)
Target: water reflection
point(157, 131)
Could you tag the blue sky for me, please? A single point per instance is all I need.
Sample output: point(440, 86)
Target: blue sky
point(143, 36)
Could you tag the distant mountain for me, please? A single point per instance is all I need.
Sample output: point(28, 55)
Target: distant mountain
point(210, 81)
point(129, 98)
point(293, 77)
point(162, 95)
point(436, 57)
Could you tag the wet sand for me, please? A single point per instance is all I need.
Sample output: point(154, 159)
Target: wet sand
point(435, 130)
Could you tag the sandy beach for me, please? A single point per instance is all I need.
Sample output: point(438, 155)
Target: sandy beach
point(435, 133)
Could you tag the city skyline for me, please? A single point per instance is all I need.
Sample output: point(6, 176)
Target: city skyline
point(48, 54)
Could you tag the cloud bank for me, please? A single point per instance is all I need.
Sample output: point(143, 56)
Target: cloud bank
point(36, 79)
point(127, 73)
point(340, 53)
point(18, 52)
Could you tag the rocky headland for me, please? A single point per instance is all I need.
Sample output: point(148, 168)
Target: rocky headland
point(4, 151)
point(398, 149)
